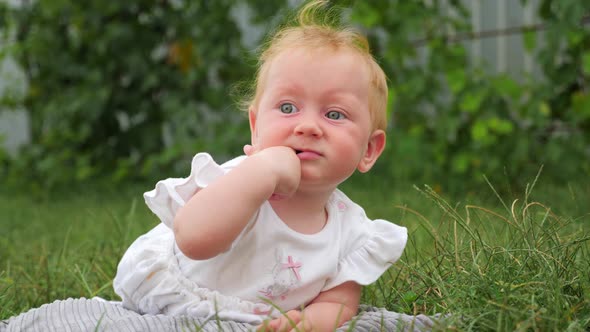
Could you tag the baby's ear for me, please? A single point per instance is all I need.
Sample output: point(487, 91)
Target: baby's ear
point(374, 148)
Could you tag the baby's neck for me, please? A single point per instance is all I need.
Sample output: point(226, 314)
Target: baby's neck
point(304, 213)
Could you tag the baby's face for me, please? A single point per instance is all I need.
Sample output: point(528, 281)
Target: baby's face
point(317, 103)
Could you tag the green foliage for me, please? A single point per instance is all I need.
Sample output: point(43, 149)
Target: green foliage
point(133, 89)
point(126, 88)
point(454, 121)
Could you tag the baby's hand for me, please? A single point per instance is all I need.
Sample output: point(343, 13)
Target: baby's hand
point(283, 163)
point(291, 321)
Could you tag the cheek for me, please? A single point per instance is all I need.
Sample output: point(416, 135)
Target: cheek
point(354, 136)
point(263, 137)
point(352, 144)
point(272, 129)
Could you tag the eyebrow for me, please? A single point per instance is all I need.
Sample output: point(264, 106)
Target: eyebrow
point(282, 88)
point(348, 98)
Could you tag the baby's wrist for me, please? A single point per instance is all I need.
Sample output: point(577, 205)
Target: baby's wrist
point(263, 171)
point(271, 162)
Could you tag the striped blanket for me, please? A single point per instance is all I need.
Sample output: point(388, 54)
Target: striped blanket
point(99, 315)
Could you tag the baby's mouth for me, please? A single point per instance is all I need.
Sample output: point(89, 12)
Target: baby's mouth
point(307, 154)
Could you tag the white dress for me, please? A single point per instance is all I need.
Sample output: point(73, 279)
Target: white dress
point(268, 265)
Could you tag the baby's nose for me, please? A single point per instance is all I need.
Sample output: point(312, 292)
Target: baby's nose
point(308, 127)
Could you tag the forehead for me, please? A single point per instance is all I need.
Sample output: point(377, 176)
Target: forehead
point(325, 68)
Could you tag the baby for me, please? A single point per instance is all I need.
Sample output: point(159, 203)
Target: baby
point(267, 238)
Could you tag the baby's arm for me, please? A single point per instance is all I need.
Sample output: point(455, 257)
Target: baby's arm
point(213, 218)
point(326, 312)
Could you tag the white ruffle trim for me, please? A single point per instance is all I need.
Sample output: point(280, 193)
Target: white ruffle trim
point(384, 244)
point(171, 194)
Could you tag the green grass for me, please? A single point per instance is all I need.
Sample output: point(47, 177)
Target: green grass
point(512, 261)
point(67, 246)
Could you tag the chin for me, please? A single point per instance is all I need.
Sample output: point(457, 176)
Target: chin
point(318, 182)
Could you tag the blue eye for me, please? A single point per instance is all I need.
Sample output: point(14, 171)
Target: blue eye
point(335, 115)
point(288, 108)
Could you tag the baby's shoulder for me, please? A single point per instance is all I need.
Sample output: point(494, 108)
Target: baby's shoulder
point(349, 216)
point(346, 207)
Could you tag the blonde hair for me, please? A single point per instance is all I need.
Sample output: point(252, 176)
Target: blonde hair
point(313, 31)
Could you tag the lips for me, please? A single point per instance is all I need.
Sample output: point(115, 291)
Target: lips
point(307, 154)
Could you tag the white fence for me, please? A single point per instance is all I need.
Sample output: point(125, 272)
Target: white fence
point(497, 27)
point(14, 122)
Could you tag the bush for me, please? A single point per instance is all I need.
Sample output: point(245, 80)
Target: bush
point(126, 88)
point(133, 89)
point(453, 121)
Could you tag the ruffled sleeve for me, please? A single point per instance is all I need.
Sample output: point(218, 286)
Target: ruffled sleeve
point(171, 194)
point(372, 247)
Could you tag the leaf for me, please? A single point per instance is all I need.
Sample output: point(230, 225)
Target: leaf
point(456, 79)
point(581, 105)
point(507, 86)
point(471, 102)
point(529, 40)
point(181, 55)
point(460, 162)
point(586, 63)
point(575, 37)
point(416, 130)
point(500, 126)
point(544, 109)
point(365, 14)
point(479, 131)
point(410, 297)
